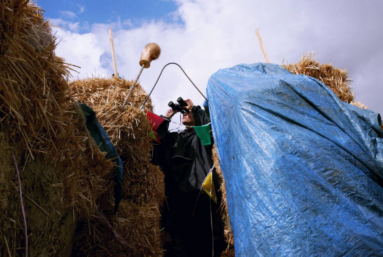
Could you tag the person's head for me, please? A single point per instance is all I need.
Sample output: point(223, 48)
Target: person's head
point(188, 118)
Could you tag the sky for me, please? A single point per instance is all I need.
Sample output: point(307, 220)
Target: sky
point(205, 36)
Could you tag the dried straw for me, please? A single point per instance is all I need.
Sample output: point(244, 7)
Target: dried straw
point(336, 79)
point(137, 226)
point(33, 86)
point(359, 104)
point(228, 253)
point(138, 218)
point(41, 122)
point(48, 233)
point(229, 237)
point(22, 206)
point(126, 126)
point(37, 110)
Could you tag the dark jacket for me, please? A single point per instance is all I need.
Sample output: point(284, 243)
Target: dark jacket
point(183, 155)
point(186, 162)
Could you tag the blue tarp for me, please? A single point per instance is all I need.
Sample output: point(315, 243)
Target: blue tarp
point(303, 169)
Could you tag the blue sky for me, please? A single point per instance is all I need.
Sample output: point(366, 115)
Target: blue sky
point(102, 11)
point(204, 36)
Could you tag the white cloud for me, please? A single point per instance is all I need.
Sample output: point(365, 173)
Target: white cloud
point(65, 24)
point(81, 7)
point(81, 50)
point(220, 34)
point(68, 14)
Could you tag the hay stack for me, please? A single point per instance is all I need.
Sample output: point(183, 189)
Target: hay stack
point(63, 173)
point(50, 226)
point(229, 237)
point(336, 79)
point(138, 220)
point(360, 105)
point(133, 232)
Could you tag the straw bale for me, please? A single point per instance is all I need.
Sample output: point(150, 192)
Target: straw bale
point(229, 237)
point(336, 79)
point(359, 104)
point(46, 129)
point(37, 110)
point(50, 226)
point(143, 183)
point(133, 232)
point(33, 88)
point(127, 126)
point(140, 224)
point(7, 172)
point(108, 92)
point(128, 129)
point(7, 193)
point(228, 253)
point(90, 180)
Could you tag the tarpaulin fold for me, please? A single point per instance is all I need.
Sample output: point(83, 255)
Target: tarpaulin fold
point(103, 141)
point(303, 170)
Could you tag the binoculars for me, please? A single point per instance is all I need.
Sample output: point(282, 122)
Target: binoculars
point(180, 106)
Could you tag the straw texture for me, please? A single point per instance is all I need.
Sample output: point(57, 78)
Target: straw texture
point(138, 220)
point(229, 237)
point(130, 233)
point(64, 175)
point(359, 104)
point(336, 79)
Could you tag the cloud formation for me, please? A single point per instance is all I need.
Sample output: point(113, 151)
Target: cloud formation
point(65, 25)
point(81, 7)
point(220, 34)
point(68, 14)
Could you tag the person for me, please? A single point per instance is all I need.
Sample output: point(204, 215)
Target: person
point(191, 218)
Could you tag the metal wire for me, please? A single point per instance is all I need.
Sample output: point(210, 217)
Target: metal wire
point(134, 84)
point(142, 106)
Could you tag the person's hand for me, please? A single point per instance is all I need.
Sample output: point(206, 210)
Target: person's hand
point(190, 104)
point(170, 113)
